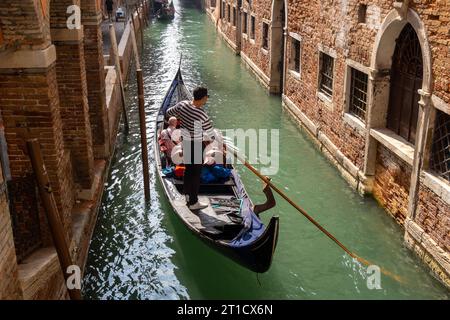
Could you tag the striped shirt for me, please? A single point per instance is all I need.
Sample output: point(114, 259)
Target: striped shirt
point(193, 119)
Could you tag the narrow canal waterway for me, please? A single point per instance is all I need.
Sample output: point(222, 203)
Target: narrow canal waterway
point(140, 252)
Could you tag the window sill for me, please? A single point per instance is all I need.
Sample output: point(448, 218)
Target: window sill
point(395, 143)
point(355, 123)
point(294, 74)
point(265, 51)
point(252, 41)
point(325, 99)
point(439, 186)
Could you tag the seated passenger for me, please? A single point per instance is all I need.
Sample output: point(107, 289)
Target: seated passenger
point(167, 140)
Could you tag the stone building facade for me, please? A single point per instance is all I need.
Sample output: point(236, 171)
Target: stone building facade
point(370, 81)
point(54, 87)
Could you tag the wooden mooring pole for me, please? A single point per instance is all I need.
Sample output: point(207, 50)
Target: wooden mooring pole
point(147, 11)
point(134, 44)
point(56, 227)
point(112, 34)
point(143, 127)
point(144, 12)
point(141, 27)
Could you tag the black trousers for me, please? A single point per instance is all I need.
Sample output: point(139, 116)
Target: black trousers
point(193, 161)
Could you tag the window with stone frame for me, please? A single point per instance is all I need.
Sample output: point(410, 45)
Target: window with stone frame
point(252, 27)
point(440, 150)
point(245, 23)
point(265, 36)
point(326, 74)
point(295, 57)
point(358, 94)
point(228, 13)
point(234, 16)
point(222, 10)
point(362, 13)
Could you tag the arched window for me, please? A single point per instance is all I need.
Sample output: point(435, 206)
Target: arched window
point(406, 79)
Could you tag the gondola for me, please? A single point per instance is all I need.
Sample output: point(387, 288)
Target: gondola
point(166, 11)
point(229, 224)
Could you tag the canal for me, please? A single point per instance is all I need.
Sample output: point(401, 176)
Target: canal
point(144, 252)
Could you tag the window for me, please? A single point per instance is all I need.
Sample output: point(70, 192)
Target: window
point(358, 94)
point(234, 17)
point(326, 74)
point(222, 9)
point(252, 27)
point(228, 13)
point(362, 11)
point(265, 36)
point(244, 23)
point(406, 79)
point(295, 55)
point(440, 150)
point(212, 4)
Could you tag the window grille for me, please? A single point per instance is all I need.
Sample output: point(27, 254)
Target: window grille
point(252, 27)
point(440, 154)
point(295, 55)
point(358, 94)
point(326, 74)
point(265, 40)
point(245, 23)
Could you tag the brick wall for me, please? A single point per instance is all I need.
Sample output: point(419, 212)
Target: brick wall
point(2, 40)
point(392, 181)
point(436, 18)
point(30, 108)
point(24, 25)
point(25, 216)
point(225, 26)
point(58, 12)
point(261, 10)
point(433, 215)
point(50, 103)
point(321, 23)
point(74, 109)
point(9, 285)
point(95, 76)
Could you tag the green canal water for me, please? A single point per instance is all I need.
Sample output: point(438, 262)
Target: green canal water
point(144, 252)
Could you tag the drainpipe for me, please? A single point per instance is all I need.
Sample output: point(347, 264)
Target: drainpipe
point(239, 27)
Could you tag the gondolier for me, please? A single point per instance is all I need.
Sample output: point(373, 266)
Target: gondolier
point(196, 127)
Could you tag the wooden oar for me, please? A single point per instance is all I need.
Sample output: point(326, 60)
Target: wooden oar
point(231, 149)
